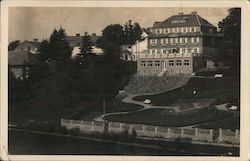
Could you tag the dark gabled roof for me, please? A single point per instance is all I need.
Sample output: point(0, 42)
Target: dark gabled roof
point(35, 43)
point(182, 21)
point(73, 40)
point(156, 23)
point(22, 57)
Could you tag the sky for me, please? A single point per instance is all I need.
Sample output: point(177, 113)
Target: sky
point(27, 23)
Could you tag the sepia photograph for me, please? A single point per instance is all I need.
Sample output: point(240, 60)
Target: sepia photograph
point(124, 81)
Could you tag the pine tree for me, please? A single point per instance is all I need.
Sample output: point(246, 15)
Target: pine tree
point(86, 47)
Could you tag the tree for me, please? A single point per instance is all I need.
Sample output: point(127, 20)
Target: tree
point(86, 47)
point(56, 51)
point(44, 51)
point(132, 32)
point(230, 27)
point(59, 46)
point(111, 40)
point(13, 45)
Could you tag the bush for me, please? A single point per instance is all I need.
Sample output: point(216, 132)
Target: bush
point(75, 132)
point(62, 130)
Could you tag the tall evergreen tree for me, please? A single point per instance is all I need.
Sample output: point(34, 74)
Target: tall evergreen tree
point(230, 28)
point(86, 47)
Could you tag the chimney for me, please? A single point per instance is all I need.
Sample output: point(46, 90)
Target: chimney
point(35, 40)
point(77, 34)
point(180, 13)
point(194, 13)
point(94, 34)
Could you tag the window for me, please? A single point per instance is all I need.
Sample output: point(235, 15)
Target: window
point(158, 51)
point(152, 51)
point(197, 39)
point(175, 40)
point(166, 31)
point(194, 50)
point(150, 63)
point(177, 29)
point(178, 63)
point(167, 40)
point(186, 62)
point(157, 63)
point(180, 39)
point(164, 51)
point(192, 39)
point(171, 63)
point(189, 50)
point(190, 29)
point(163, 41)
point(184, 40)
point(175, 50)
point(171, 40)
point(143, 63)
point(193, 29)
point(184, 50)
point(153, 41)
point(184, 29)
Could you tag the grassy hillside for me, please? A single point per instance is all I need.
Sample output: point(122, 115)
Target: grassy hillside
point(70, 92)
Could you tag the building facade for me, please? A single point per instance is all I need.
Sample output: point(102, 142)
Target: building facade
point(180, 44)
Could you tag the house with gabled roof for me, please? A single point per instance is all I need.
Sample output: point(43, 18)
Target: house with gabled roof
point(181, 44)
point(29, 46)
point(20, 62)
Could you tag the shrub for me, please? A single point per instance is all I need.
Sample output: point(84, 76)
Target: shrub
point(62, 130)
point(75, 132)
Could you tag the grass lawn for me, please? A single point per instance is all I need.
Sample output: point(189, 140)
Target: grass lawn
point(114, 106)
point(221, 89)
point(163, 117)
point(230, 123)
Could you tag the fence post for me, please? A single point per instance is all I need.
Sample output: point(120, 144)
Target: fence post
point(120, 126)
point(130, 128)
point(236, 133)
point(143, 128)
point(211, 135)
point(196, 133)
point(92, 126)
point(109, 126)
point(220, 134)
point(182, 133)
point(236, 136)
point(156, 129)
point(169, 132)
